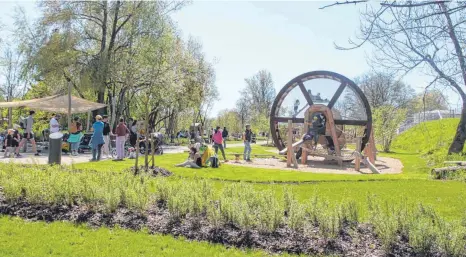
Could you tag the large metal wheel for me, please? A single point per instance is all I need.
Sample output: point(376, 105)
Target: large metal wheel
point(347, 99)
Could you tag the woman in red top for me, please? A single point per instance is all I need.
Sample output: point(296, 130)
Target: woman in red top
point(218, 142)
point(121, 132)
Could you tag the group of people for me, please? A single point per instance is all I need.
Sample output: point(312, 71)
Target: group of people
point(13, 141)
point(100, 141)
point(218, 138)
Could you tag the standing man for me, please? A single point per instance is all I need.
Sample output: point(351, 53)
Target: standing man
point(28, 135)
point(106, 147)
point(247, 137)
point(225, 136)
point(54, 125)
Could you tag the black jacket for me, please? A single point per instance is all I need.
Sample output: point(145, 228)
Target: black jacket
point(225, 133)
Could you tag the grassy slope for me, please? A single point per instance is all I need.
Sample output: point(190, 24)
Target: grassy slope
point(430, 140)
point(22, 238)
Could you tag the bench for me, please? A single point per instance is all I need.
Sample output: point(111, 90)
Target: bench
point(459, 163)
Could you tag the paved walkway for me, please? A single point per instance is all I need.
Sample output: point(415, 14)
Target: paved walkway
point(29, 158)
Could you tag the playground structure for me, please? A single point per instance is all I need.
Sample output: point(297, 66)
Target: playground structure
point(324, 123)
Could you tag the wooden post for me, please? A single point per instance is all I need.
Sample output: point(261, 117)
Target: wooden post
point(369, 151)
point(69, 105)
point(304, 156)
point(357, 161)
point(88, 121)
point(289, 144)
point(372, 144)
point(331, 125)
point(153, 148)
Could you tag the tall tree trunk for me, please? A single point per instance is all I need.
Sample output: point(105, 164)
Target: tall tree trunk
point(460, 136)
point(147, 137)
point(10, 117)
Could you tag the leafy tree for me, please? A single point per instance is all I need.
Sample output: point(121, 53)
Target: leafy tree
point(384, 89)
point(243, 108)
point(260, 91)
point(387, 119)
point(429, 101)
point(230, 119)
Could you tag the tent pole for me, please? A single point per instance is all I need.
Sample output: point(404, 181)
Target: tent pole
point(69, 105)
point(88, 121)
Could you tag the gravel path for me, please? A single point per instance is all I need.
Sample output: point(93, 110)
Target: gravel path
point(317, 165)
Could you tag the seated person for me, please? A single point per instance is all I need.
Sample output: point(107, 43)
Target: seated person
point(194, 159)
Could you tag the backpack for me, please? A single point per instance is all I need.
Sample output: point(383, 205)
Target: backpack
point(214, 162)
point(23, 122)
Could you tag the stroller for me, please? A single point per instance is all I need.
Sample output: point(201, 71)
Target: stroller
point(84, 145)
point(65, 146)
point(158, 141)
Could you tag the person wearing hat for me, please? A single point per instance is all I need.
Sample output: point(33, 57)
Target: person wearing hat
point(97, 140)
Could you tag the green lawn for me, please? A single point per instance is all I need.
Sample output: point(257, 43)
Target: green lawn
point(413, 184)
point(414, 168)
point(416, 152)
point(22, 238)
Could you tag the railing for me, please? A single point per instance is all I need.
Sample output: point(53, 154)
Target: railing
point(431, 115)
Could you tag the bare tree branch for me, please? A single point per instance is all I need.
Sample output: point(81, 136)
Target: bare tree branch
point(413, 4)
point(341, 3)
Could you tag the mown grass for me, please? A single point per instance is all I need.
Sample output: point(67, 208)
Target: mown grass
point(414, 168)
point(22, 238)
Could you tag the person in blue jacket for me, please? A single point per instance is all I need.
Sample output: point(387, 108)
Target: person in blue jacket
point(97, 140)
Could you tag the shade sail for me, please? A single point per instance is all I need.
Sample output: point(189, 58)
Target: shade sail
point(56, 103)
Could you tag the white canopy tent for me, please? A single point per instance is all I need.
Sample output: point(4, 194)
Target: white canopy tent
point(57, 104)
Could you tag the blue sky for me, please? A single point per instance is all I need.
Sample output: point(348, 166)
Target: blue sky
point(286, 38)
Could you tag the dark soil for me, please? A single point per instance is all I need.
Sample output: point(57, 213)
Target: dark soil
point(357, 241)
point(154, 171)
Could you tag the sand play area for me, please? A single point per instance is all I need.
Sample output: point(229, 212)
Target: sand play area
point(318, 165)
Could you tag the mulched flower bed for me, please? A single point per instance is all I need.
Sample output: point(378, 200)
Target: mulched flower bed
point(352, 241)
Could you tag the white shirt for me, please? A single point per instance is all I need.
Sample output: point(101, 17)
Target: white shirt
point(53, 122)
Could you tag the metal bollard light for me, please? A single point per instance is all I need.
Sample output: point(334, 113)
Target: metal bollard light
point(55, 144)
